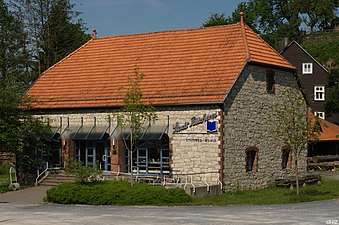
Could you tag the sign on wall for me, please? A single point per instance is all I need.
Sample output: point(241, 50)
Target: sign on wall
point(211, 125)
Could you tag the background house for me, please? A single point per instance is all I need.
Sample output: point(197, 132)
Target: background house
point(313, 79)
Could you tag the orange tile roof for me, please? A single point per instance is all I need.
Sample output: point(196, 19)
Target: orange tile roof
point(329, 131)
point(180, 67)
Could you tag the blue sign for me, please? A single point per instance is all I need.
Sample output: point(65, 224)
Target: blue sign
point(211, 126)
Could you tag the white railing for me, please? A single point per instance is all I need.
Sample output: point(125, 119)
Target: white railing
point(176, 179)
point(39, 177)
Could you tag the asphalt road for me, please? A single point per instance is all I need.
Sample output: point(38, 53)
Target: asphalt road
point(323, 212)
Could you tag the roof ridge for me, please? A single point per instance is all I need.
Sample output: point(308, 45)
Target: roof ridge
point(243, 31)
point(167, 31)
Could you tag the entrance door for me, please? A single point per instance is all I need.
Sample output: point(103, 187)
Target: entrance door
point(103, 156)
point(90, 153)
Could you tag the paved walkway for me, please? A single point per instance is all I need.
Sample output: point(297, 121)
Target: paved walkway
point(31, 195)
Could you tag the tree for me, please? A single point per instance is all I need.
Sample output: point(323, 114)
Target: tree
point(135, 115)
point(13, 55)
point(292, 126)
point(332, 99)
point(59, 35)
point(317, 13)
point(216, 19)
point(50, 30)
point(21, 134)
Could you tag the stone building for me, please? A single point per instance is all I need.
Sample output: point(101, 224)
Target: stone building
point(213, 90)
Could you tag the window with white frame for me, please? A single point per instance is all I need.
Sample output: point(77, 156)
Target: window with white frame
point(319, 93)
point(307, 68)
point(321, 115)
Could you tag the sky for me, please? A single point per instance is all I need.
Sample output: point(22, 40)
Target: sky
point(119, 17)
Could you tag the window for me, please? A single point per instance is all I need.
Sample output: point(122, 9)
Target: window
point(270, 82)
point(286, 158)
point(251, 159)
point(319, 93)
point(321, 115)
point(307, 68)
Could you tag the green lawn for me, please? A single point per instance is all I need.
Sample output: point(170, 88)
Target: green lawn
point(329, 189)
point(4, 179)
point(121, 193)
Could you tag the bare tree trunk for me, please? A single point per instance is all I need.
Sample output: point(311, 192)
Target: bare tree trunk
point(131, 157)
point(296, 175)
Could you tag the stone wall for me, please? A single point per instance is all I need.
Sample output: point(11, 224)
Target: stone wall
point(247, 122)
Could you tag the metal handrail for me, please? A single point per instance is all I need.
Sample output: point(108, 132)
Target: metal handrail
point(192, 184)
point(208, 186)
point(39, 175)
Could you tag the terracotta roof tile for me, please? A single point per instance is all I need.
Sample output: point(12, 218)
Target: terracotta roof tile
point(180, 67)
point(329, 131)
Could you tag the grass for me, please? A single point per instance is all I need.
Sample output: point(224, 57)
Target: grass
point(329, 189)
point(4, 178)
point(122, 193)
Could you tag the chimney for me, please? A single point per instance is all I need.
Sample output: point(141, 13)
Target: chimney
point(241, 17)
point(94, 34)
point(283, 43)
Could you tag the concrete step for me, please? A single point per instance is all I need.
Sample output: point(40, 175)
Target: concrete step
point(56, 179)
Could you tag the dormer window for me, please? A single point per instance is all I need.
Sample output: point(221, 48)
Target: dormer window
point(307, 68)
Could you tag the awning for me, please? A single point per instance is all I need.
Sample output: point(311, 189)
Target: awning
point(55, 132)
point(154, 132)
point(151, 133)
point(70, 130)
point(96, 132)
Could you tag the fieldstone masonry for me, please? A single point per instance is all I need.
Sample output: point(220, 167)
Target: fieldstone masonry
point(247, 122)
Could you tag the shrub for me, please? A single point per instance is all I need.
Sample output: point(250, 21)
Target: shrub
point(82, 173)
point(116, 193)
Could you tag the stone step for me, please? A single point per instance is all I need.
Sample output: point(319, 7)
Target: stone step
point(55, 179)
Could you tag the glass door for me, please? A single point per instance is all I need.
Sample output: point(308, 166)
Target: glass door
point(142, 161)
point(90, 153)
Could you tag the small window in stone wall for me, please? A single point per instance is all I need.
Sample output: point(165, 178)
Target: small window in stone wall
point(251, 159)
point(270, 82)
point(286, 158)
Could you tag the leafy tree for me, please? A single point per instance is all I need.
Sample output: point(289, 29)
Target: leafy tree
point(21, 134)
point(332, 99)
point(274, 19)
point(292, 126)
point(51, 31)
point(135, 115)
point(216, 19)
point(13, 54)
point(59, 35)
point(317, 13)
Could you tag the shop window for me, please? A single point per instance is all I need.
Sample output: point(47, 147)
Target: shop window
point(251, 159)
point(319, 93)
point(307, 68)
point(270, 82)
point(286, 158)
